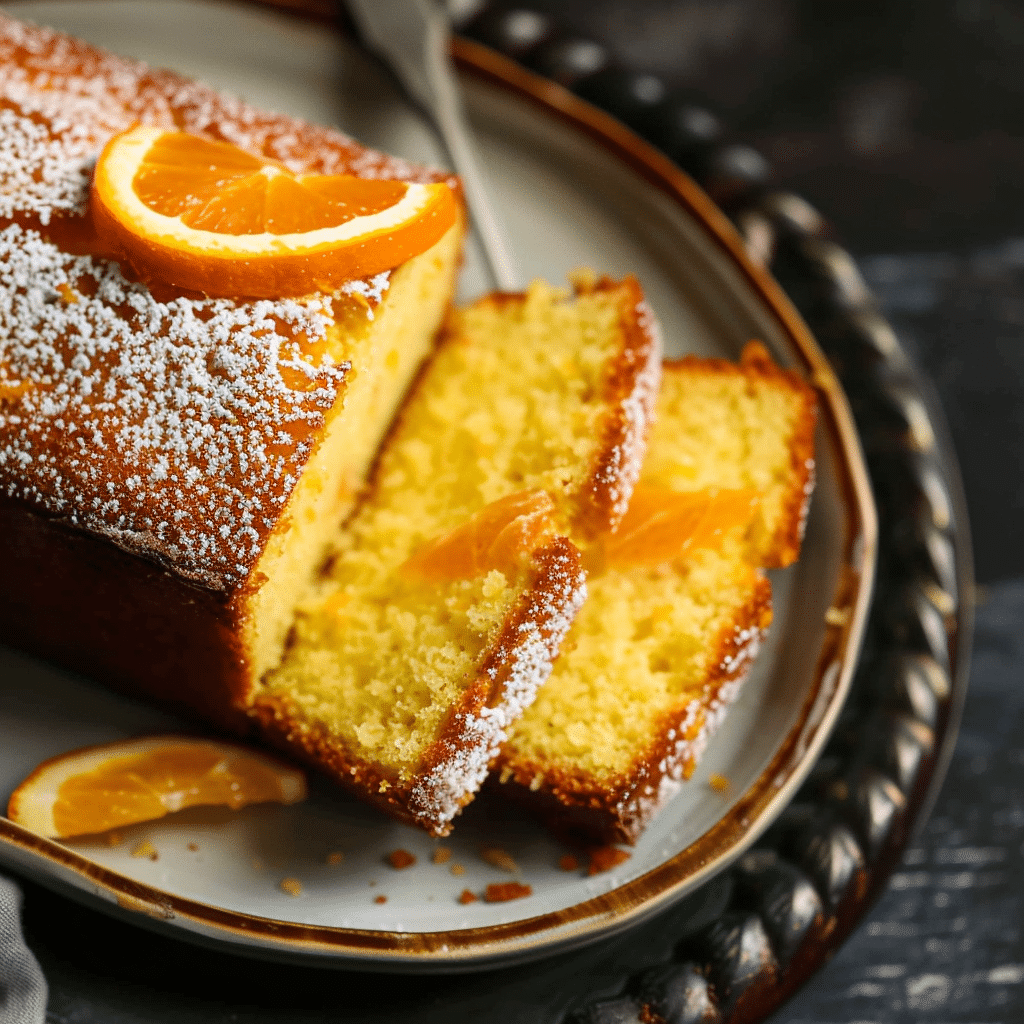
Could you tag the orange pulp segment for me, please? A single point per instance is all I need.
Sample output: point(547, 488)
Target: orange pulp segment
point(117, 784)
point(496, 537)
point(200, 214)
point(663, 525)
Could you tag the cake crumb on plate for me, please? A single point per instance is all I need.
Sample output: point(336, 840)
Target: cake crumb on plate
point(498, 858)
point(401, 859)
point(502, 892)
point(604, 858)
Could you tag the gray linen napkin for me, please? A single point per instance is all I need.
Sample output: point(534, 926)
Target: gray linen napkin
point(22, 986)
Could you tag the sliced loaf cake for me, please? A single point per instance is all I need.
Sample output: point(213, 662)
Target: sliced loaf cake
point(455, 581)
point(677, 604)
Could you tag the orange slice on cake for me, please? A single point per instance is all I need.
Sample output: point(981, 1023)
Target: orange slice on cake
point(117, 784)
point(499, 536)
point(203, 215)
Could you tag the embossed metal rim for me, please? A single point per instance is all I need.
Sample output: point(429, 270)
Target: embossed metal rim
point(638, 899)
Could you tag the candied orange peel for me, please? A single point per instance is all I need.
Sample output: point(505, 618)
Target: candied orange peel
point(662, 525)
point(499, 536)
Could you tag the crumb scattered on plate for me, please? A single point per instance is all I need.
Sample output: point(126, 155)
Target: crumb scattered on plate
point(498, 858)
point(568, 862)
point(502, 892)
point(292, 886)
point(335, 858)
point(380, 899)
point(193, 847)
point(146, 849)
point(468, 896)
point(457, 869)
point(441, 855)
point(837, 616)
point(719, 783)
point(401, 859)
point(604, 858)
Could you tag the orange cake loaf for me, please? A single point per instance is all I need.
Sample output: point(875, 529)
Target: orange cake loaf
point(174, 465)
point(453, 584)
point(678, 604)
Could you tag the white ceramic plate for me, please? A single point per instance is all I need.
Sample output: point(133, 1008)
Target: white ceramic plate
point(572, 188)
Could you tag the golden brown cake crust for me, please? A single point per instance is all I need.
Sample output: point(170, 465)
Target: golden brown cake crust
point(150, 443)
point(176, 426)
point(632, 390)
point(93, 608)
point(516, 662)
point(618, 809)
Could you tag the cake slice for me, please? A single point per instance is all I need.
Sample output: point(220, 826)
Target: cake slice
point(172, 466)
point(663, 643)
point(455, 581)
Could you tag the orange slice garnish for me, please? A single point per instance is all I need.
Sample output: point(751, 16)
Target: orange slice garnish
point(206, 216)
point(99, 788)
point(662, 525)
point(499, 536)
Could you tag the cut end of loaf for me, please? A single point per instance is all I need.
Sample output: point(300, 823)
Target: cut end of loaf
point(404, 683)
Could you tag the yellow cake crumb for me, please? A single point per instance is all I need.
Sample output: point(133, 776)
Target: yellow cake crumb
point(292, 886)
point(500, 859)
point(146, 849)
point(837, 616)
point(383, 654)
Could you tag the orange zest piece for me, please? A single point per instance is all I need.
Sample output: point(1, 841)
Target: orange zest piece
point(200, 214)
point(663, 525)
point(496, 537)
point(98, 788)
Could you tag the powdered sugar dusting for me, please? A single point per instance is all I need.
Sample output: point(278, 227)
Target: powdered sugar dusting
point(87, 94)
point(168, 427)
point(655, 788)
point(620, 469)
point(518, 666)
point(176, 428)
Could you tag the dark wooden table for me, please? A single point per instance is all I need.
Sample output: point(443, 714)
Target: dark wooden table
point(902, 121)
